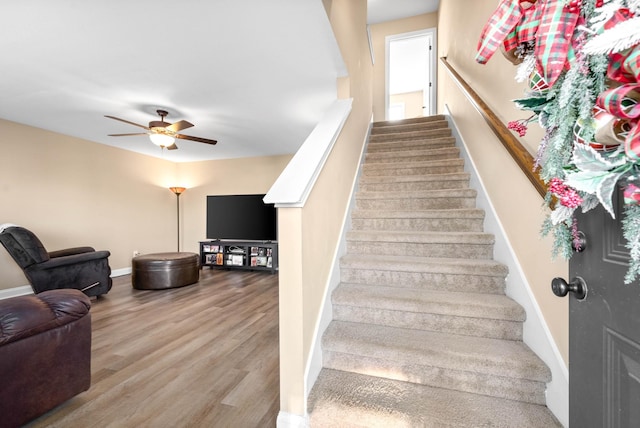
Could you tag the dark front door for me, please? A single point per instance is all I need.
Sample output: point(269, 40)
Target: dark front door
point(604, 329)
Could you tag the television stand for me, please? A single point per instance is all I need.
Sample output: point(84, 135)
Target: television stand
point(248, 255)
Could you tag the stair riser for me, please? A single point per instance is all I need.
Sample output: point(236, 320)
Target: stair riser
point(467, 326)
point(394, 170)
point(410, 146)
point(438, 249)
point(466, 381)
point(397, 158)
point(412, 163)
point(409, 136)
point(416, 204)
point(409, 121)
point(412, 156)
point(409, 127)
point(412, 224)
point(414, 186)
point(424, 280)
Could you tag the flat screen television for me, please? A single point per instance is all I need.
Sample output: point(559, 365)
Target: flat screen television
point(240, 217)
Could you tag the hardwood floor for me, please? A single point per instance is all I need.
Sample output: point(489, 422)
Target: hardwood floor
point(205, 355)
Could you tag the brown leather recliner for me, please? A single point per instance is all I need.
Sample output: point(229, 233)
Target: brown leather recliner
point(83, 268)
point(45, 353)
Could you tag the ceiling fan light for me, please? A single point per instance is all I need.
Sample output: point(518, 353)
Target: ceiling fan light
point(162, 140)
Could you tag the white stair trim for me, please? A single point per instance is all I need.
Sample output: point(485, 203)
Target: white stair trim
point(293, 186)
point(289, 420)
point(536, 333)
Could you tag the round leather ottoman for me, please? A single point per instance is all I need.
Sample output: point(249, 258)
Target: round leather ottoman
point(159, 271)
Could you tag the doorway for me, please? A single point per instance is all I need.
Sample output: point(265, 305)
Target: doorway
point(410, 74)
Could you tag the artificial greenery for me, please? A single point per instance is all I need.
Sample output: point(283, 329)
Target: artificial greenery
point(588, 111)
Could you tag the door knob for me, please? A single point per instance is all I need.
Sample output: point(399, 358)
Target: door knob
point(579, 243)
point(577, 286)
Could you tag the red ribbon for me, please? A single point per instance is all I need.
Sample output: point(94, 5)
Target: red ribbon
point(553, 39)
point(623, 101)
point(502, 22)
point(549, 23)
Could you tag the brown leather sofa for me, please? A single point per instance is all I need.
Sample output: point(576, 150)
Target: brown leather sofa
point(45, 353)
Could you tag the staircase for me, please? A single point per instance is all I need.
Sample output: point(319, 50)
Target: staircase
point(422, 333)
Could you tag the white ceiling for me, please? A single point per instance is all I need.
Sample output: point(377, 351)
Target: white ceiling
point(255, 75)
point(388, 10)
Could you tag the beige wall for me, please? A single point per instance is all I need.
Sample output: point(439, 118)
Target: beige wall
point(378, 34)
point(413, 102)
point(223, 177)
point(517, 204)
point(308, 236)
point(74, 192)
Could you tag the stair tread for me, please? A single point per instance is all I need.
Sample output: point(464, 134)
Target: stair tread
point(371, 179)
point(415, 127)
point(422, 151)
point(386, 236)
point(442, 131)
point(481, 267)
point(416, 194)
point(479, 305)
point(414, 164)
point(443, 213)
point(435, 121)
point(497, 357)
point(398, 146)
point(438, 125)
point(434, 140)
point(342, 399)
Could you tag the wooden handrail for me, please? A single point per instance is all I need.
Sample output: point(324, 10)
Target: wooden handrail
point(518, 152)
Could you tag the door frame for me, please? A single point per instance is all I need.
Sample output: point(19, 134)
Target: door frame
point(431, 32)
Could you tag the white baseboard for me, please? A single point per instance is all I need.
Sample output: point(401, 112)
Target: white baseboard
point(536, 333)
point(288, 420)
point(26, 289)
point(120, 272)
point(16, 291)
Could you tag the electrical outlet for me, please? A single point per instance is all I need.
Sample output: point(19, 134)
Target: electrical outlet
point(136, 253)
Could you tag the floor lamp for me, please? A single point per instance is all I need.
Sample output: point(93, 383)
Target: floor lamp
point(178, 191)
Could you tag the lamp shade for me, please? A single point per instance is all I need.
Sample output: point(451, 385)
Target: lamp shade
point(162, 140)
point(177, 190)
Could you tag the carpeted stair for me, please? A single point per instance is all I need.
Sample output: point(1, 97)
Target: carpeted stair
point(422, 332)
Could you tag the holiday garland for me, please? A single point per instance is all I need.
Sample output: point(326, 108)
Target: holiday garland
point(581, 59)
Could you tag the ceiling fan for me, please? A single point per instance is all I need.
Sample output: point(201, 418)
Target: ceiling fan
point(163, 133)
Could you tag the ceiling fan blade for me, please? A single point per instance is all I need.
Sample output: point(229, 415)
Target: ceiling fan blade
point(179, 126)
point(172, 147)
point(127, 135)
point(126, 121)
point(198, 139)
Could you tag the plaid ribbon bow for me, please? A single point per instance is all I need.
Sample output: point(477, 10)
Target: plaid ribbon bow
point(624, 101)
point(548, 22)
point(553, 39)
point(495, 31)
